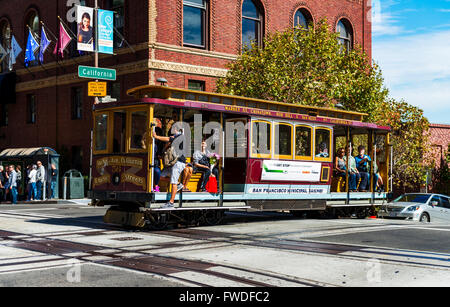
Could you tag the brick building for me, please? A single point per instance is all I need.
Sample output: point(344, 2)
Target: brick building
point(440, 142)
point(188, 42)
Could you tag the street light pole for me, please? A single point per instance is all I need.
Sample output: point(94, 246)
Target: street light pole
point(96, 41)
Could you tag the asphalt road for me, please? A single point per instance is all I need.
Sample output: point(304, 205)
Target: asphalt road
point(69, 245)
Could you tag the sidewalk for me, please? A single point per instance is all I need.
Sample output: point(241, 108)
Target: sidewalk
point(84, 201)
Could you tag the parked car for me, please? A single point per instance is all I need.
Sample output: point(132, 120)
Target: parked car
point(419, 207)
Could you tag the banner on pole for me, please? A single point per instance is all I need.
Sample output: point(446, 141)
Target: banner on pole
point(85, 31)
point(105, 28)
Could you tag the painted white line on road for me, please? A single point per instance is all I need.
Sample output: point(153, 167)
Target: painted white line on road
point(209, 280)
point(276, 282)
point(40, 265)
point(28, 259)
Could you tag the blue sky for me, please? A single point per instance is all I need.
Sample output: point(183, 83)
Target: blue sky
point(411, 43)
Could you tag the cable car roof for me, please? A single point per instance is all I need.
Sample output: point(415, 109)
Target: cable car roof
point(183, 98)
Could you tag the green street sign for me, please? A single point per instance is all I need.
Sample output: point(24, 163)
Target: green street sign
point(96, 73)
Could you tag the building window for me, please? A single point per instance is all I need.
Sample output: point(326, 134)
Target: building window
point(5, 42)
point(195, 85)
point(118, 6)
point(195, 20)
point(31, 109)
point(252, 24)
point(345, 31)
point(302, 19)
point(77, 103)
point(32, 22)
point(114, 90)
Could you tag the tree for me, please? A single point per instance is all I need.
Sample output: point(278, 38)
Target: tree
point(306, 67)
point(310, 67)
point(410, 142)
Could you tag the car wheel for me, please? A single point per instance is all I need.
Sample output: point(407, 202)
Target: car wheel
point(424, 218)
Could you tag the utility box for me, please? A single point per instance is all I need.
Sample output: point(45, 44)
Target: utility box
point(73, 183)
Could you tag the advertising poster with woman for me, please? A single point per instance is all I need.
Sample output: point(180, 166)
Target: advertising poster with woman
point(85, 34)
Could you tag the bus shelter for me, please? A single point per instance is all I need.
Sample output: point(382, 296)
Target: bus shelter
point(29, 156)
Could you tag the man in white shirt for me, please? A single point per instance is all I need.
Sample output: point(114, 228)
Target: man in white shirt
point(32, 183)
point(40, 179)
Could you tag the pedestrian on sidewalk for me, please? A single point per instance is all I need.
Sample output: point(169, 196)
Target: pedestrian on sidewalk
point(32, 183)
point(12, 184)
point(40, 180)
point(2, 183)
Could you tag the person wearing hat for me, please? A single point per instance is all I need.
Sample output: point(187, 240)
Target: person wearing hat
point(174, 166)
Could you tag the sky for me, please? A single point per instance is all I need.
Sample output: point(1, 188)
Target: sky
point(411, 43)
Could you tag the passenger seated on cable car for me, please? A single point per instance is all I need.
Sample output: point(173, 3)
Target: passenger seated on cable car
point(174, 167)
point(323, 151)
point(340, 169)
point(362, 164)
point(201, 162)
point(354, 175)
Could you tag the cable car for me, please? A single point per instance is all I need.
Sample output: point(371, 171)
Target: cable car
point(270, 156)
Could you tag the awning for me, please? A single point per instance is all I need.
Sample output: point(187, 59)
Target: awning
point(27, 152)
point(8, 88)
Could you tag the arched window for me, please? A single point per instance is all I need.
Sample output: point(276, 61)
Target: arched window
point(5, 42)
point(195, 23)
point(302, 19)
point(252, 23)
point(344, 28)
point(32, 22)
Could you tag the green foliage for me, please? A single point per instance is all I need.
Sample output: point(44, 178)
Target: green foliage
point(409, 140)
point(309, 67)
point(306, 67)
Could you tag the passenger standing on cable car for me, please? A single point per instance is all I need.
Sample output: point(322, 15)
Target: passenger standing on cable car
point(362, 164)
point(174, 166)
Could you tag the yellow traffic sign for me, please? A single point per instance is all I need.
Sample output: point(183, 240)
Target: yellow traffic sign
point(97, 89)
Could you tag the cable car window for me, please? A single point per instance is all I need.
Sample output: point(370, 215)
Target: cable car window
point(303, 138)
point(101, 132)
point(323, 142)
point(119, 131)
point(283, 141)
point(261, 139)
point(139, 137)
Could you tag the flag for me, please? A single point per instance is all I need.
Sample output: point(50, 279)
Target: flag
point(45, 42)
point(15, 51)
point(3, 53)
point(32, 46)
point(63, 41)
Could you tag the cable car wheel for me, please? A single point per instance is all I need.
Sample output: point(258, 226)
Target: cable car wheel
point(213, 217)
point(158, 221)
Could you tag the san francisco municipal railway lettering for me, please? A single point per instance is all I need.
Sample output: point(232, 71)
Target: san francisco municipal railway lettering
point(286, 191)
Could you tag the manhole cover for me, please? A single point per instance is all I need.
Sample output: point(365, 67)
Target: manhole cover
point(126, 239)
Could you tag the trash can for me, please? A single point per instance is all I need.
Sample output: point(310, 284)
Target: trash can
point(73, 185)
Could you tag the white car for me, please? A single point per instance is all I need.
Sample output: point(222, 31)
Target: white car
point(419, 207)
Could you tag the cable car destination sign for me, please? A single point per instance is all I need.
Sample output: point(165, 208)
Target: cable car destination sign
point(97, 73)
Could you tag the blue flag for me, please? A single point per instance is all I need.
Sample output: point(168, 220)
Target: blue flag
point(32, 46)
point(45, 42)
